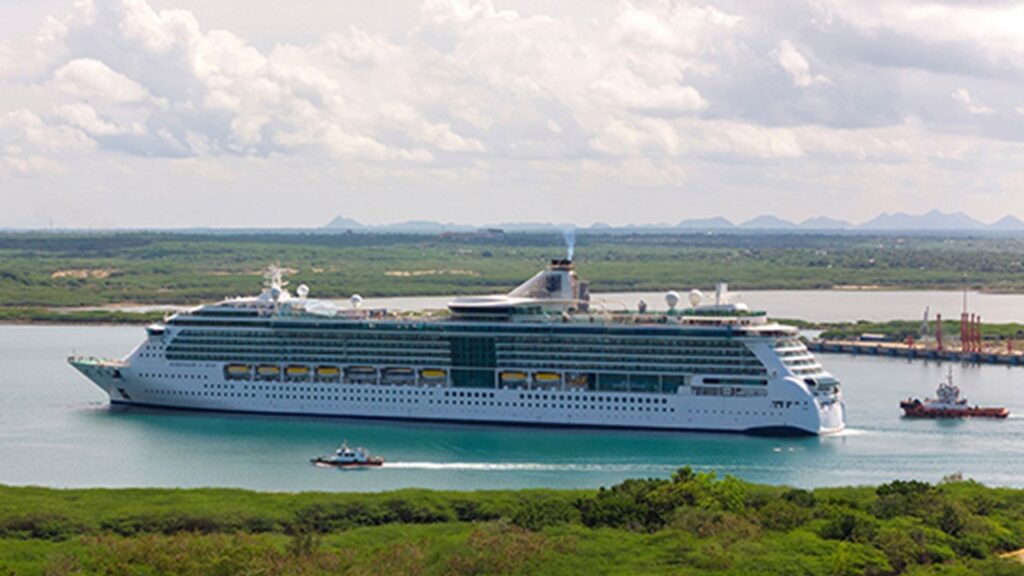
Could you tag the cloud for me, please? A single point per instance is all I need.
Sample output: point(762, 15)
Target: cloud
point(87, 79)
point(33, 131)
point(85, 117)
point(970, 104)
point(29, 166)
point(462, 100)
point(794, 63)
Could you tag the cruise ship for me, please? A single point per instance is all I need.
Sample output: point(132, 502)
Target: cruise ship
point(545, 354)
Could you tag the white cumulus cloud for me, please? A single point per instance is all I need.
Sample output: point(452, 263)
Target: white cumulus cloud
point(794, 63)
point(88, 79)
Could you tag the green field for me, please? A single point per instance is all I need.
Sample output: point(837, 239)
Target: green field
point(79, 269)
point(694, 523)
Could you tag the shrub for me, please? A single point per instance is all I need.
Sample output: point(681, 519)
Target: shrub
point(783, 515)
point(536, 513)
point(627, 505)
point(472, 511)
point(719, 524)
point(333, 517)
point(40, 526)
point(900, 498)
point(502, 548)
point(802, 498)
point(849, 525)
point(401, 509)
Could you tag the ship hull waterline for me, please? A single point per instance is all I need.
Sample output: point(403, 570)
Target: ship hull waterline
point(680, 413)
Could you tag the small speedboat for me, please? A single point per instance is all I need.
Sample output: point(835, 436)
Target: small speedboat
point(346, 457)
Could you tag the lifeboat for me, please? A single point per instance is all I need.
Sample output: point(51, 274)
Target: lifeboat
point(547, 377)
point(361, 374)
point(398, 375)
point(949, 404)
point(268, 371)
point(238, 371)
point(433, 373)
point(328, 374)
point(297, 372)
point(513, 376)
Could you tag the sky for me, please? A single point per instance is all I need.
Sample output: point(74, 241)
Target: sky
point(217, 113)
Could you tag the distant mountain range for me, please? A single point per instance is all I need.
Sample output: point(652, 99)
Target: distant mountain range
point(934, 220)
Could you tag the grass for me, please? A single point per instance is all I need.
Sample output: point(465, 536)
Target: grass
point(694, 523)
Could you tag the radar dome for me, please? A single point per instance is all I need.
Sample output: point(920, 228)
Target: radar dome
point(672, 299)
point(695, 297)
point(276, 292)
point(356, 300)
point(302, 290)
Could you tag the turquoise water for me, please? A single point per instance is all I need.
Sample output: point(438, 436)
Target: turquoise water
point(56, 429)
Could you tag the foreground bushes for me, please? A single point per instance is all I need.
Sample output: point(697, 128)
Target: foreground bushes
point(693, 520)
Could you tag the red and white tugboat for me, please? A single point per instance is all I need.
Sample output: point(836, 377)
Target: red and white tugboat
point(346, 457)
point(949, 404)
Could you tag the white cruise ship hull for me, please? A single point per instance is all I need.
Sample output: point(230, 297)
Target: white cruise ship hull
point(785, 409)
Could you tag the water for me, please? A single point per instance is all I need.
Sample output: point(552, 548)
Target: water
point(56, 429)
point(815, 305)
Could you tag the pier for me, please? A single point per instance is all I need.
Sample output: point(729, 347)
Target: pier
point(916, 351)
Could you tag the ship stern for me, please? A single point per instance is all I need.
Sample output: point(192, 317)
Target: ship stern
point(831, 416)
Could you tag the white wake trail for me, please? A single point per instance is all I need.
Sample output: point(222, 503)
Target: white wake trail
point(527, 466)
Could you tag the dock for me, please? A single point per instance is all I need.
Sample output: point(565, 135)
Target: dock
point(918, 352)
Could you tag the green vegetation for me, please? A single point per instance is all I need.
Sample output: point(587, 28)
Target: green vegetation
point(79, 269)
point(50, 316)
point(693, 523)
point(901, 329)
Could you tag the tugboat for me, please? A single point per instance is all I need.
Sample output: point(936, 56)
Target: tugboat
point(949, 404)
point(346, 457)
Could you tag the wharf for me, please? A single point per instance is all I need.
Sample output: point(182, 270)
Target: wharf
point(901, 350)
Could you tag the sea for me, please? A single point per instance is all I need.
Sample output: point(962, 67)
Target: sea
point(58, 430)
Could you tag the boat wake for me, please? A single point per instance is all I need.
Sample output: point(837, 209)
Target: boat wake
point(530, 466)
point(845, 432)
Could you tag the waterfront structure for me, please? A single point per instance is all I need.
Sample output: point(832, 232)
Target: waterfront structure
point(543, 354)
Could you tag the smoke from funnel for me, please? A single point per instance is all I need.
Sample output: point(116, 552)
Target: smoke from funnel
point(570, 243)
